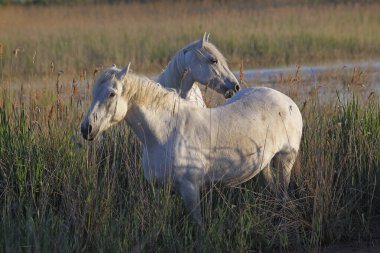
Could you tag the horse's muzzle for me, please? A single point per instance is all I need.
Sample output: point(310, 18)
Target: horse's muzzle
point(232, 92)
point(229, 94)
point(86, 131)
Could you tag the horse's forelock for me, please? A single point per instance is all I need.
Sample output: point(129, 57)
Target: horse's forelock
point(211, 48)
point(106, 75)
point(103, 77)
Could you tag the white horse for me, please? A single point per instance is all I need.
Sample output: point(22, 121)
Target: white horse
point(201, 62)
point(193, 146)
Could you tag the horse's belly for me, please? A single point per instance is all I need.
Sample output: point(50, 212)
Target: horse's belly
point(234, 175)
point(244, 176)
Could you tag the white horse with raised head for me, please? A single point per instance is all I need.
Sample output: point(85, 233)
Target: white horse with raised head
point(201, 62)
point(193, 146)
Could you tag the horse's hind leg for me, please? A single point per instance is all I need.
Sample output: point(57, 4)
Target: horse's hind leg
point(268, 177)
point(283, 163)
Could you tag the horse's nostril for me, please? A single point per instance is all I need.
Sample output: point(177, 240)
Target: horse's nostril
point(86, 130)
point(237, 87)
point(228, 94)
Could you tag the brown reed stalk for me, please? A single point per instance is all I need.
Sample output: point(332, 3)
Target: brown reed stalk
point(57, 84)
point(372, 94)
point(296, 78)
point(75, 88)
point(74, 91)
point(1, 60)
point(241, 72)
point(304, 105)
point(96, 71)
point(51, 67)
point(21, 95)
point(34, 57)
point(80, 116)
point(60, 108)
point(82, 77)
point(51, 112)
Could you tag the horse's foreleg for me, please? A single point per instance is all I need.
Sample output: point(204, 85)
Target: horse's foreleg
point(191, 196)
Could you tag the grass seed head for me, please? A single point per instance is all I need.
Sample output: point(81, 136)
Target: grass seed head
point(241, 72)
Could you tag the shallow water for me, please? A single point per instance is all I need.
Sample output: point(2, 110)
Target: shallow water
point(267, 74)
point(326, 82)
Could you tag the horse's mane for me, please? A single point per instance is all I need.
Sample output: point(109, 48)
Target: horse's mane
point(146, 91)
point(140, 89)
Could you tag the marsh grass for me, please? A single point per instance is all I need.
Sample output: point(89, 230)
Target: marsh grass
point(59, 193)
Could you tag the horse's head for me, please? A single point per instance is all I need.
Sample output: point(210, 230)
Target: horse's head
point(207, 66)
point(107, 107)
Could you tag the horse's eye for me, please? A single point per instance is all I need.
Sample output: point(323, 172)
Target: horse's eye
point(112, 94)
point(214, 61)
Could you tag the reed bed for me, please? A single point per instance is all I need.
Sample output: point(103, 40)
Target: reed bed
point(60, 193)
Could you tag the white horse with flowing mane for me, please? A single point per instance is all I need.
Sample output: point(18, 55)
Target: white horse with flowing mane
point(201, 62)
point(193, 146)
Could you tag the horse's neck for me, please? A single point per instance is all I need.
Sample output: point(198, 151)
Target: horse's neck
point(152, 119)
point(152, 127)
point(174, 76)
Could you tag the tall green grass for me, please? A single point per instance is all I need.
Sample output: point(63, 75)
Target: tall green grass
point(59, 193)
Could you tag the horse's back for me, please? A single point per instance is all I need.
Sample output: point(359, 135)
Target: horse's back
point(272, 108)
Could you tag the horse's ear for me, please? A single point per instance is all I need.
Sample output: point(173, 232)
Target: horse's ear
point(205, 38)
point(123, 72)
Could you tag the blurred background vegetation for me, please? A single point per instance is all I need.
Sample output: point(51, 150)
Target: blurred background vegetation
point(255, 33)
point(256, 2)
